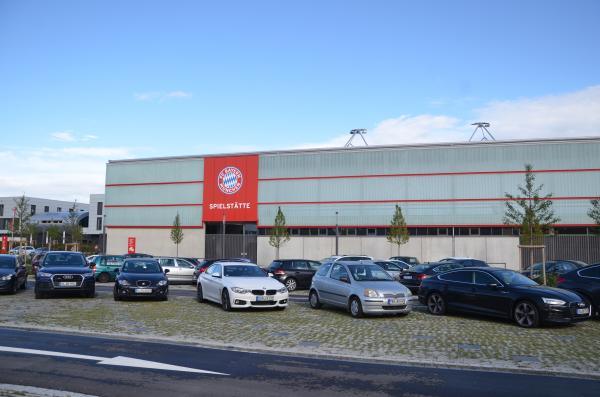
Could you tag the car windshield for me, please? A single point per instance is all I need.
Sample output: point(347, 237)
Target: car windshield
point(243, 271)
point(7, 263)
point(538, 266)
point(514, 279)
point(420, 268)
point(141, 266)
point(369, 273)
point(56, 259)
point(389, 266)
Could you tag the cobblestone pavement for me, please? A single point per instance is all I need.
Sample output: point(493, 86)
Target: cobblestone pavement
point(418, 337)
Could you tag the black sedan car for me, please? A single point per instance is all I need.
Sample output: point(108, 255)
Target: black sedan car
point(554, 268)
point(586, 282)
point(64, 272)
point(141, 277)
point(413, 276)
point(294, 273)
point(501, 293)
point(13, 275)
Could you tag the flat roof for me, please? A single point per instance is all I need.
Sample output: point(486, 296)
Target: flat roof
point(364, 148)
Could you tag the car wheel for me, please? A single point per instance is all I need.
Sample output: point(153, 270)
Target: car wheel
point(225, 302)
point(199, 293)
point(314, 301)
point(526, 314)
point(436, 304)
point(356, 310)
point(103, 278)
point(291, 284)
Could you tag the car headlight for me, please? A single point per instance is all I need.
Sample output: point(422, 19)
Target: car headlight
point(43, 274)
point(408, 293)
point(123, 282)
point(238, 290)
point(7, 277)
point(90, 274)
point(551, 301)
point(282, 290)
point(162, 282)
point(371, 293)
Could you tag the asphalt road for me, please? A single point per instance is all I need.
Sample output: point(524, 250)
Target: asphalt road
point(249, 374)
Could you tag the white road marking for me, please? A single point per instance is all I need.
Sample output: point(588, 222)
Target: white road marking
point(119, 360)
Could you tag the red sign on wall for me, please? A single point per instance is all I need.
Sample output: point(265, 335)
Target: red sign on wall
point(230, 189)
point(4, 244)
point(131, 245)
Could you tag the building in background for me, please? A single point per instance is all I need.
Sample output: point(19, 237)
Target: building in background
point(94, 232)
point(452, 196)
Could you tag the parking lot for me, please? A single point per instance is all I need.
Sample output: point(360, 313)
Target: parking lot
point(418, 338)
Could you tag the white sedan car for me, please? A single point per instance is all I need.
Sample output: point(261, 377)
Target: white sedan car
point(240, 285)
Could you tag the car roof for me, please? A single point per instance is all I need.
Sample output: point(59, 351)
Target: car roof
point(233, 263)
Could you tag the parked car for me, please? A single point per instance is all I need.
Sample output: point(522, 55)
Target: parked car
point(180, 270)
point(411, 260)
point(90, 259)
point(41, 250)
point(335, 258)
point(586, 282)
point(392, 267)
point(554, 268)
point(13, 274)
point(18, 250)
point(466, 262)
point(64, 272)
point(294, 273)
point(141, 277)
point(501, 293)
point(241, 285)
point(204, 264)
point(105, 267)
point(413, 277)
point(359, 287)
point(402, 265)
point(138, 255)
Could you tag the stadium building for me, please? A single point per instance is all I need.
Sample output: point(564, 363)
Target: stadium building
point(452, 196)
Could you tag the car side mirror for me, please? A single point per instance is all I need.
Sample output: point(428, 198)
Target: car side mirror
point(345, 279)
point(167, 271)
point(270, 274)
point(217, 275)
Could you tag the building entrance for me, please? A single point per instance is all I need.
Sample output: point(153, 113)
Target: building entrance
point(231, 240)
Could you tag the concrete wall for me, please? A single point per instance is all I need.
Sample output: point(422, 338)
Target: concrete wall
point(156, 242)
point(490, 249)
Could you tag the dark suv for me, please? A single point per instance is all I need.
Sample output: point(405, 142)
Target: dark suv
point(62, 272)
point(294, 273)
point(586, 282)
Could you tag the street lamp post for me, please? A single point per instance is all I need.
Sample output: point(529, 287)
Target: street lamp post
point(337, 234)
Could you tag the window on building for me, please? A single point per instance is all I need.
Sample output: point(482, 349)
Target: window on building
point(99, 208)
point(1, 209)
point(46, 208)
point(99, 223)
point(58, 209)
point(32, 209)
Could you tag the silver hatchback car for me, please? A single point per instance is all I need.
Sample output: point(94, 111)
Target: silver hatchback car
point(359, 287)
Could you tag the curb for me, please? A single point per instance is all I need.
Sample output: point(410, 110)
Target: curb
point(321, 356)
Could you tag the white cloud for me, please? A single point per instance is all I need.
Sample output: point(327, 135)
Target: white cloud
point(63, 136)
point(89, 137)
point(161, 96)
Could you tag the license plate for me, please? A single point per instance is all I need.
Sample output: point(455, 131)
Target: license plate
point(407, 277)
point(143, 290)
point(67, 284)
point(396, 301)
point(264, 298)
point(583, 311)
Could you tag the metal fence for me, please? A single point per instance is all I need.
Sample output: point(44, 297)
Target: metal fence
point(584, 248)
point(231, 246)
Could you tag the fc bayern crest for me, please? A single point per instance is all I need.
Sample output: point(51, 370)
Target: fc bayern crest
point(230, 180)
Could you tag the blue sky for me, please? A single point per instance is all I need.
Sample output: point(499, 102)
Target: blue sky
point(82, 82)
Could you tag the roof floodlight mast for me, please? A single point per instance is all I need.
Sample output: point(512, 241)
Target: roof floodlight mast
point(355, 132)
point(482, 127)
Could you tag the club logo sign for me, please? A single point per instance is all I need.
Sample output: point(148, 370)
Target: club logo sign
point(230, 180)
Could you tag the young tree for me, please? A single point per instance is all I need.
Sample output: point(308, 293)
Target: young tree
point(532, 211)
point(177, 233)
point(73, 228)
point(22, 216)
point(54, 234)
point(398, 233)
point(279, 232)
point(594, 212)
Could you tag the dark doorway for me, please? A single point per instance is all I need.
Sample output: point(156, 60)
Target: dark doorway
point(238, 240)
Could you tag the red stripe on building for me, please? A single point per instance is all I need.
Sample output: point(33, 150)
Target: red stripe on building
point(151, 183)
point(426, 174)
point(151, 205)
point(415, 226)
point(150, 227)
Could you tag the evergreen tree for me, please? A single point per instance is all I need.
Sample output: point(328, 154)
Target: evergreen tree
point(177, 233)
point(398, 233)
point(279, 232)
